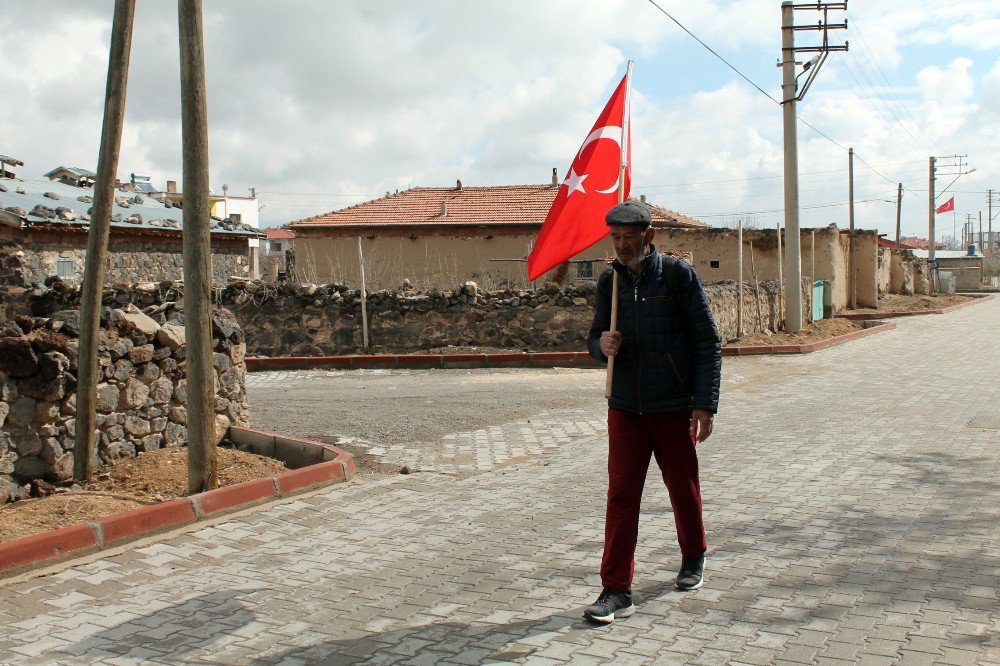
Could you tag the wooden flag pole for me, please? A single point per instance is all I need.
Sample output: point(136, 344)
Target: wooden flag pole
point(623, 151)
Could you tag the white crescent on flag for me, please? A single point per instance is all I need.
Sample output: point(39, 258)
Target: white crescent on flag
point(612, 132)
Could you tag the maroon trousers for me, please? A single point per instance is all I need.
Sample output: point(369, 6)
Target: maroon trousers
point(632, 438)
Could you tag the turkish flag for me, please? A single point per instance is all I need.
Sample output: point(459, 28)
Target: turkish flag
point(590, 190)
point(946, 206)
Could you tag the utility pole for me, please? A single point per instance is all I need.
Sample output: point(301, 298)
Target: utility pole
point(202, 460)
point(791, 95)
point(930, 217)
point(97, 240)
point(980, 232)
point(899, 211)
point(851, 282)
point(989, 220)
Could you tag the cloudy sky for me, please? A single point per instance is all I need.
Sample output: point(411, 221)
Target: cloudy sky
point(319, 105)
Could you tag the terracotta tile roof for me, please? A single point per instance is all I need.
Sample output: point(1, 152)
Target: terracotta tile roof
point(279, 233)
point(501, 205)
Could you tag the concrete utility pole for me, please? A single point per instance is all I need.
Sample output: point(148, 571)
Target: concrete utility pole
point(790, 95)
point(202, 461)
point(989, 220)
point(930, 216)
point(899, 211)
point(851, 282)
point(85, 447)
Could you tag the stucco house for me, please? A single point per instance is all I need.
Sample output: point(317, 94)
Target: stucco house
point(44, 226)
point(443, 236)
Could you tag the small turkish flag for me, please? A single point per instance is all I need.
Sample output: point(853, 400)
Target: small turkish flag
point(946, 206)
point(590, 190)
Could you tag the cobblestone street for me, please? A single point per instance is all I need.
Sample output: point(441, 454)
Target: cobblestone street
point(851, 502)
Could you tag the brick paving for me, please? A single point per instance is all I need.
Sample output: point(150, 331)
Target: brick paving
point(851, 501)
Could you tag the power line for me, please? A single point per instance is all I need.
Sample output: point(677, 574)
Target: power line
point(713, 52)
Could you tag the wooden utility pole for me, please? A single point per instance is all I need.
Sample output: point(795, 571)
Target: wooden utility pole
point(851, 282)
point(364, 297)
point(202, 462)
point(781, 285)
point(930, 223)
point(899, 211)
point(980, 232)
point(85, 448)
point(739, 283)
point(756, 291)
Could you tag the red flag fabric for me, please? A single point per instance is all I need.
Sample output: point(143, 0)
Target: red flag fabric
point(946, 206)
point(590, 190)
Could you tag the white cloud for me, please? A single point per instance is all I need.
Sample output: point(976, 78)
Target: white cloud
point(950, 85)
point(319, 105)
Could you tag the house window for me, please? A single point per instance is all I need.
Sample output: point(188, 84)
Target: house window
point(275, 246)
point(585, 269)
point(64, 268)
point(714, 263)
point(236, 217)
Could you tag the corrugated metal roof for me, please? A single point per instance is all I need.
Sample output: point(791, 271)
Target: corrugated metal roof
point(501, 205)
point(947, 254)
point(146, 213)
point(79, 172)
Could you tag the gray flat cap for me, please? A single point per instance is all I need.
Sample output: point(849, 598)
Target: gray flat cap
point(629, 214)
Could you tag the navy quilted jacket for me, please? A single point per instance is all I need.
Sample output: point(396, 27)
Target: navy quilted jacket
point(671, 354)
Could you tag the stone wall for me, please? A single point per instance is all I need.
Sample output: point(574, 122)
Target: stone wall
point(129, 260)
point(141, 394)
point(311, 320)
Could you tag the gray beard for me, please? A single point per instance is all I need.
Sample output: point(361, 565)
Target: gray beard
point(635, 262)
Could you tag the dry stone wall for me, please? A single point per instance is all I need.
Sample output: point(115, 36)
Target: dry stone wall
point(311, 320)
point(141, 394)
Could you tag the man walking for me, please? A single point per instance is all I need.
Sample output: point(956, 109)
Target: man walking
point(665, 391)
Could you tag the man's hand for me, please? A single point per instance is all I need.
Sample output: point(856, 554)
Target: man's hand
point(701, 424)
point(610, 342)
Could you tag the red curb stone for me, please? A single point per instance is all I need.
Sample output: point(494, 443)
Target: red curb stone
point(227, 497)
point(310, 476)
point(46, 545)
point(463, 360)
point(553, 356)
point(326, 361)
point(347, 461)
point(374, 361)
point(786, 349)
point(419, 360)
point(146, 519)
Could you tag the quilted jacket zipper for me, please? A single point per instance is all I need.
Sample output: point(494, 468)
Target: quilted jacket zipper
point(638, 340)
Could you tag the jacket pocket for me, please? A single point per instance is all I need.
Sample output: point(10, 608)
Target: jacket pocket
point(677, 372)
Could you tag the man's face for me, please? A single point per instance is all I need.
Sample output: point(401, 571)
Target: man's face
point(630, 244)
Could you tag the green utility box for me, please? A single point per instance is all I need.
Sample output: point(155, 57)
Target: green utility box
point(817, 300)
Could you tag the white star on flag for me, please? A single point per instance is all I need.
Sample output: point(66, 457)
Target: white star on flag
point(574, 183)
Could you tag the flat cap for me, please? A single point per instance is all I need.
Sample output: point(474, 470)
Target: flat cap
point(629, 214)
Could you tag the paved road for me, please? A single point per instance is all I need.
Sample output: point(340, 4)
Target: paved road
point(852, 509)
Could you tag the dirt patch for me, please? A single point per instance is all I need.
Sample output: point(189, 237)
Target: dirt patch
point(916, 302)
point(128, 484)
point(813, 332)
